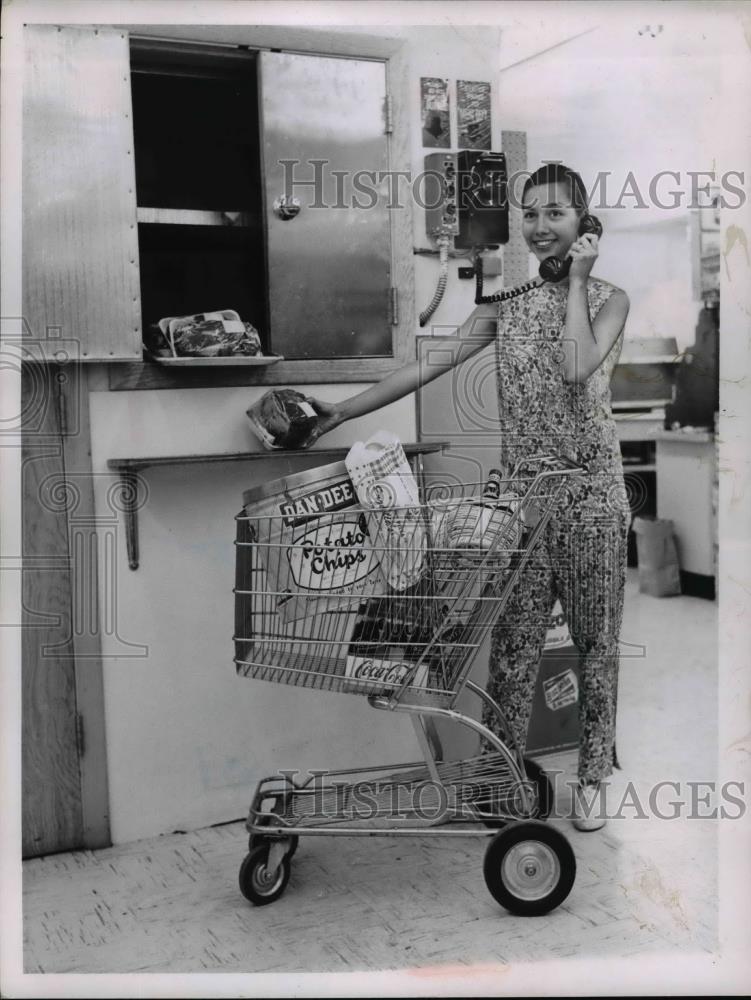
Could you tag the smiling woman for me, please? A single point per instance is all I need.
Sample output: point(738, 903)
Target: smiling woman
point(568, 337)
point(556, 348)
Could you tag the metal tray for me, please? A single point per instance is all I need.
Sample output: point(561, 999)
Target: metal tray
point(215, 362)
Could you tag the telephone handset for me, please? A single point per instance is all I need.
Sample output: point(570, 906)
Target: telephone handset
point(552, 269)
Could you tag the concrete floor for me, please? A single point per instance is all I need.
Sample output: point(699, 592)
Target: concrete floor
point(644, 885)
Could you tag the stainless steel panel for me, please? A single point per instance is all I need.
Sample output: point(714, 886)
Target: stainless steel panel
point(329, 267)
point(80, 242)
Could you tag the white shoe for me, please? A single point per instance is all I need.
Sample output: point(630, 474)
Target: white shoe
point(589, 807)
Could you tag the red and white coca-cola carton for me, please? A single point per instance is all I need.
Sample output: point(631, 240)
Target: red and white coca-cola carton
point(389, 673)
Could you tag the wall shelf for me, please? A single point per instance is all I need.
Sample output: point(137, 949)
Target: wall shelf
point(129, 468)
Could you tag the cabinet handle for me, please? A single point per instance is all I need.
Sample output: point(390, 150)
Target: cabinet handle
point(286, 208)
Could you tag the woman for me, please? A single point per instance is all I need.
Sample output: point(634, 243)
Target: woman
point(556, 348)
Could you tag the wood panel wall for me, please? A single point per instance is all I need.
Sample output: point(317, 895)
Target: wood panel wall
point(51, 781)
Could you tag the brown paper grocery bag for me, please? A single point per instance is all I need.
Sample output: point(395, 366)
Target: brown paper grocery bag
point(659, 572)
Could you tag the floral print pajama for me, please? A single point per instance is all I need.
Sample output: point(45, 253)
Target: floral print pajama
point(581, 558)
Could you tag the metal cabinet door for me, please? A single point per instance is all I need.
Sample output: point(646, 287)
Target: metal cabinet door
point(80, 242)
point(329, 266)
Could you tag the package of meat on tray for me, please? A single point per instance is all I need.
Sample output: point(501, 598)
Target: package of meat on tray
point(282, 419)
point(204, 335)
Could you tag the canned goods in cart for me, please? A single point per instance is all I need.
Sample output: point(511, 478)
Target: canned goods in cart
point(462, 531)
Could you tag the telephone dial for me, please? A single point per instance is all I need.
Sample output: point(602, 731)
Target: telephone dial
point(552, 269)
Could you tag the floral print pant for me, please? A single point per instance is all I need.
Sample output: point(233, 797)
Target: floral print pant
point(580, 560)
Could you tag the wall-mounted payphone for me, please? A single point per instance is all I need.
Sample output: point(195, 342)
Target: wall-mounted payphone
point(466, 196)
point(466, 205)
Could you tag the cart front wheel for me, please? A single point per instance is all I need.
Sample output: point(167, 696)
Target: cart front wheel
point(258, 884)
point(258, 839)
point(529, 868)
point(264, 819)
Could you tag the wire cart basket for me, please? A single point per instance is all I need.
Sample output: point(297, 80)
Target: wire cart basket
point(393, 604)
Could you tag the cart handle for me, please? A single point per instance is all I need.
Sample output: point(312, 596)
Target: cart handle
point(559, 463)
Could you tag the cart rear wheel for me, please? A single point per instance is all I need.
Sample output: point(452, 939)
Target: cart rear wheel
point(529, 868)
point(543, 794)
point(259, 885)
point(543, 787)
point(486, 805)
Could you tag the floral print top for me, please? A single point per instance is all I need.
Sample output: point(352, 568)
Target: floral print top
point(542, 413)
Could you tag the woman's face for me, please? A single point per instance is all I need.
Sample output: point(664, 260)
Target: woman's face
point(550, 223)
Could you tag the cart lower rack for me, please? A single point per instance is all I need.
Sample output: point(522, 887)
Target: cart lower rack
point(394, 604)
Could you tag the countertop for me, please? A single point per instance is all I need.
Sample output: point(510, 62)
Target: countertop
point(687, 435)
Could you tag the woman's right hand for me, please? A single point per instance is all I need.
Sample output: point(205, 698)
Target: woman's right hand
point(329, 417)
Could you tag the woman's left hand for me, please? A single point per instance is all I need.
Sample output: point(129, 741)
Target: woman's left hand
point(583, 254)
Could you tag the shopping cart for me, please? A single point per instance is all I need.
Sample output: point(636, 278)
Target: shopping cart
point(411, 650)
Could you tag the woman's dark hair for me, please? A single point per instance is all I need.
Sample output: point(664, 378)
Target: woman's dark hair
point(556, 173)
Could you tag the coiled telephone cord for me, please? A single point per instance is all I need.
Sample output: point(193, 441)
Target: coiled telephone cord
point(504, 296)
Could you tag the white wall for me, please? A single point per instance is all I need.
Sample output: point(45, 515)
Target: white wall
point(613, 100)
point(186, 738)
